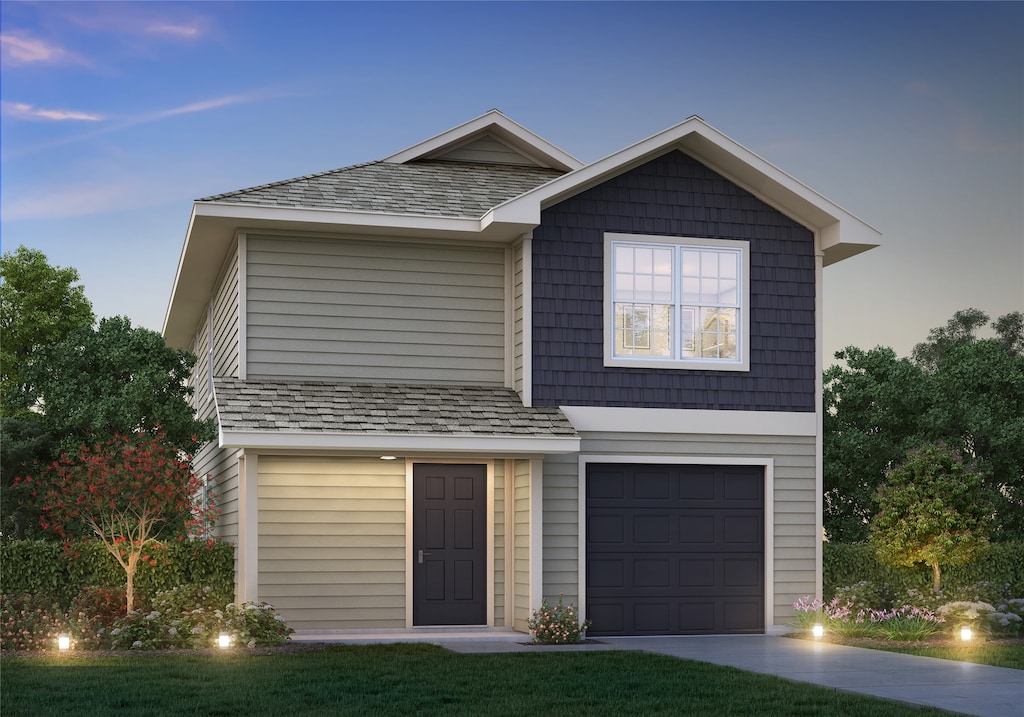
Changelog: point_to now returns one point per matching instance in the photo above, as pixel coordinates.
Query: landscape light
(224, 640)
(818, 630)
(966, 633)
(64, 642)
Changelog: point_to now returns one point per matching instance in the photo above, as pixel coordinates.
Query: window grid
(698, 288)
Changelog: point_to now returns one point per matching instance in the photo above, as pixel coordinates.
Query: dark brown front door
(449, 528)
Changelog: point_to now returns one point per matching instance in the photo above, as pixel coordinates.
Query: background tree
(116, 379)
(127, 491)
(873, 407)
(957, 388)
(934, 509)
(39, 305)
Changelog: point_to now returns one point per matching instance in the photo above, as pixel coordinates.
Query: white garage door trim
(769, 513)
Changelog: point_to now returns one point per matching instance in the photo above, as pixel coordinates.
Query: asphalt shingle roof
(295, 407)
(423, 188)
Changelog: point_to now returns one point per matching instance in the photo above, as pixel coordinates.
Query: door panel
(449, 544)
(675, 549)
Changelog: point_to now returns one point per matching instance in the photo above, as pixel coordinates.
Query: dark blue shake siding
(673, 195)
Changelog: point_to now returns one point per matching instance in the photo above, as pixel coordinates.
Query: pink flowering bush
(29, 622)
(846, 619)
(557, 624)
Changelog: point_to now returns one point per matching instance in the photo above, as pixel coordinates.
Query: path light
(64, 642)
(966, 633)
(224, 640)
(818, 630)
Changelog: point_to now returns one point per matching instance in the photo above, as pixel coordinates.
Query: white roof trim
(317, 215)
(735, 162)
(508, 131)
(687, 421)
(401, 443)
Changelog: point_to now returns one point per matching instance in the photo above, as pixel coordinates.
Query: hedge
(41, 567)
(848, 563)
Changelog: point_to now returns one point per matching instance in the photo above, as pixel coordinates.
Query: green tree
(116, 379)
(934, 508)
(873, 406)
(957, 388)
(39, 305)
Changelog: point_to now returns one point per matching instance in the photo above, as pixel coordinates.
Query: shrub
(557, 624)
(29, 622)
(91, 614)
(43, 568)
(908, 623)
(970, 614)
(1007, 620)
(189, 618)
(255, 624)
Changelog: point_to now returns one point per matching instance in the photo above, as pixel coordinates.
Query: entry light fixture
(388, 458)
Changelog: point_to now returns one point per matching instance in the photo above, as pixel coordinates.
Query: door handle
(421, 554)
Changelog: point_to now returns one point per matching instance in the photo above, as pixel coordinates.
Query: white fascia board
(610, 419)
(333, 217)
(177, 273)
(723, 155)
(511, 132)
(399, 443)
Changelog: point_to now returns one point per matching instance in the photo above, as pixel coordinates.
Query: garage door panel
(675, 549)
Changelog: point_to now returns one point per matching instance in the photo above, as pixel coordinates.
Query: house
(479, 373)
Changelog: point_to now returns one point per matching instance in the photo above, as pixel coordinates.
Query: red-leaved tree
(127, 491)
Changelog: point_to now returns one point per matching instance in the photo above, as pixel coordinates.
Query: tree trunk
(129, 571)
(937, 578)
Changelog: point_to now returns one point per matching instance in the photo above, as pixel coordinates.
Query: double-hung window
(673, 302)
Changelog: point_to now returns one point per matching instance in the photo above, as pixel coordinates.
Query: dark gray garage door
(675, 550)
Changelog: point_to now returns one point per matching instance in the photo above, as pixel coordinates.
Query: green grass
(413, 679)
(981, 653)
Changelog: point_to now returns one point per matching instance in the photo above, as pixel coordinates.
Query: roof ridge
(282, 182)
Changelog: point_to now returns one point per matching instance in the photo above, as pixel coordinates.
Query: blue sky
(115, 116)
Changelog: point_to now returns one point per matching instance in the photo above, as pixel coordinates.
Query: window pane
(728, 292)
(644, 261)
(708, 263)
(644, 286)
(624, 259)
(691, 263)
(709, 291)
(728, 265)
(663, 262)
(663, 289)
(691, 291)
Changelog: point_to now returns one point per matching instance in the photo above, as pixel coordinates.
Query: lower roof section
(300, 415)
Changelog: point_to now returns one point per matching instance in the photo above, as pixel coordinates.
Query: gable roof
(382, 417)
(485, 180)
(841, 234)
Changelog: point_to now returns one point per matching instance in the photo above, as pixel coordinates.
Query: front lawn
(411, 679)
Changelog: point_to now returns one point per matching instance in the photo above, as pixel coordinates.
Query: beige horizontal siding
(521, 547)
(375, 311)
(794, 514)
(330, 525)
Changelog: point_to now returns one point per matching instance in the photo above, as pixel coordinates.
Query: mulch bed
(934, 641)
(286, 648)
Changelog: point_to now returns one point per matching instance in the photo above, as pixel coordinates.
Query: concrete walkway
(955, 686)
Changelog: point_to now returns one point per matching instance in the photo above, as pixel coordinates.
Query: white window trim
(611, 360)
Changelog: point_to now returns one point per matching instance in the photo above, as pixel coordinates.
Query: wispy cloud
(17, 50)
(114, 123)
(185, 32)
(25, 111)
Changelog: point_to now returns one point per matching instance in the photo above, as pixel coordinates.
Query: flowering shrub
(91, 614)
(29, 622)
(255, 624)
(840, 618)
(557, 624)
(187, 617)
(1007, 620)
(907, 623)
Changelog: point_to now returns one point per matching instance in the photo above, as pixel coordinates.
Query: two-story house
(479, 373)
